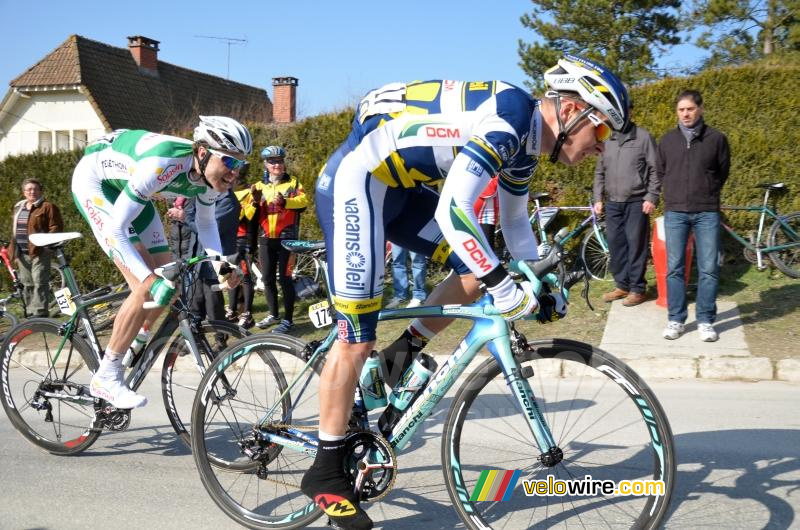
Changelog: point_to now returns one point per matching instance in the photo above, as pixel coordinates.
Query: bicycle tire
(305, 265)
(787, 261)
(180, 377)
(71, 428)
(219, 424)
(596, 258)
(7, 322)
(606, 420)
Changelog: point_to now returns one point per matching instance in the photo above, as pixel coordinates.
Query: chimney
(145, 53)
(284, 99)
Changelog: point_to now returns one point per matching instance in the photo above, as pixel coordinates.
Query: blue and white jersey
(408, 134)
(412, 133)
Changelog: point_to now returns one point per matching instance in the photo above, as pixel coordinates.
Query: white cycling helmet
(220, 132)
(592, 83)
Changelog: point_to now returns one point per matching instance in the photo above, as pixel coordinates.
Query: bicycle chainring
(370, 464)
(111, 418)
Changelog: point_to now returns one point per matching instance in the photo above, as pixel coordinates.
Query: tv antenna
(230, 41)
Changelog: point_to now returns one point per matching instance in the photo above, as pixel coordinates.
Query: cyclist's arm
(456, 217)
(517, 229)
(127, 207)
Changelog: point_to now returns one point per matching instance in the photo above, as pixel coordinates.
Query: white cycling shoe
(108, 383)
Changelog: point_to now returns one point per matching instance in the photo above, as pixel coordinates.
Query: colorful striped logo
(495, 485)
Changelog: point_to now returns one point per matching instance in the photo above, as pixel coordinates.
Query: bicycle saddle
(52, 239)
(299, 246)
(773, 186)
(539, 195)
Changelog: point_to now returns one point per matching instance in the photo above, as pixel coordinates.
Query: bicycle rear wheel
(237, 391)
(180, 375)
(787, 260)
(307, 266)
(49, 404)
(102, 315)
(603, 417)
(595, 255)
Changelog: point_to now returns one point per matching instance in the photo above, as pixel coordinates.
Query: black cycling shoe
(328, 487)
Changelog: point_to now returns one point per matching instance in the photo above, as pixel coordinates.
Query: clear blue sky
(338, 50)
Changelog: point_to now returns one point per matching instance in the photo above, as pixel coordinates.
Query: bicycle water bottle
(406, 391)
(371, 383)
(136, 346)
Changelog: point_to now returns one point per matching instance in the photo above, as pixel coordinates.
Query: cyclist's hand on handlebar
(552, 307)
(161, 291)
(233, 278)
(513, 300)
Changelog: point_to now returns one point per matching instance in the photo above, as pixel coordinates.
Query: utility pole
(230, 41)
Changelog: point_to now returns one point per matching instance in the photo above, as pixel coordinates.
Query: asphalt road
(738, 448)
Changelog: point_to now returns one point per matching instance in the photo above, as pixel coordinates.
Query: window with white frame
(79, 139)
(46, 141)
(62, 140)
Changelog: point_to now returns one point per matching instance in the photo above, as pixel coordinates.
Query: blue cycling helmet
(273, 151)
(593, 84)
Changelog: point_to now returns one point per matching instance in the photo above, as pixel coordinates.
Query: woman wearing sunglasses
(114, 186)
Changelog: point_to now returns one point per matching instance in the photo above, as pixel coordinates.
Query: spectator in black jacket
(625, 177)
(693, 164)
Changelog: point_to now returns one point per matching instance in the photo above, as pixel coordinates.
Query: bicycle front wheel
(603, 417)
(47, 398)
(786, 233)
(236, 395)
(595, 254)
(180, 375)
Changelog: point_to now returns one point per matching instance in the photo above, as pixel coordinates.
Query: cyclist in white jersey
(423, 132)
(113, 186)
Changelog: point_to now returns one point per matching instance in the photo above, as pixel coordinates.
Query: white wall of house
(47, 120)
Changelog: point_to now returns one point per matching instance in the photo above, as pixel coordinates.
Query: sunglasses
(274, 161)
(602, 131)
(230, 162)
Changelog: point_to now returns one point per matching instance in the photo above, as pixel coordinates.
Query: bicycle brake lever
(585, 291)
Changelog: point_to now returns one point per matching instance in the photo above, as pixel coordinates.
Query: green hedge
(756, 106)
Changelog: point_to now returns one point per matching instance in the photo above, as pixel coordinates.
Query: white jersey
(117, 179)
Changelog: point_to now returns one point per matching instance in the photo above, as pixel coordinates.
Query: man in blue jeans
(693, 164)
(400, 257)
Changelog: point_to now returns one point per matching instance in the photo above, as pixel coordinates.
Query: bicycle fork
(516, 377)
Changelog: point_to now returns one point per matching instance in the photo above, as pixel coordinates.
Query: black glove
(552, 307)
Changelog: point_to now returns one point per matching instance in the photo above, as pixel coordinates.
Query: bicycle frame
(489, 330)
(765, 211)
(146, 359)
(535, 219)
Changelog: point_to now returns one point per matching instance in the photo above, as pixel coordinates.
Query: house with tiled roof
(85, 88)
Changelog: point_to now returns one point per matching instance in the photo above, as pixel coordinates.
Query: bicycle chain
(309, 428)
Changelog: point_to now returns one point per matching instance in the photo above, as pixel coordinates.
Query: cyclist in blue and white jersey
(114, 185)
(419, 133)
